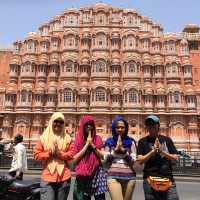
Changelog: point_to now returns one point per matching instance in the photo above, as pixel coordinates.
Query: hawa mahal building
(103, 61)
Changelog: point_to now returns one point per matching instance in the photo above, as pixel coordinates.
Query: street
(187, 190)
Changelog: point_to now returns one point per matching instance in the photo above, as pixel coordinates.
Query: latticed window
(68, 95)
(132, 67)
(176, 97)
(25, 96)
(131, 42)
(101, 40)
(69, 66)
(31, 47)
(100, 66)
(100, 95)
(187, 70)
(132, 96)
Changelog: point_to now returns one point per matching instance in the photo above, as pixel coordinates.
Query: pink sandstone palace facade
(103, 61)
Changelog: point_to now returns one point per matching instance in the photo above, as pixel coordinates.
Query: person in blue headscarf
(120, 154)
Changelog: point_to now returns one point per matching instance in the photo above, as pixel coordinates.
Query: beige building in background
(103, 61)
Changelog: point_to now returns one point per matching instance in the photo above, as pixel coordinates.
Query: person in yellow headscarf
(55, 149)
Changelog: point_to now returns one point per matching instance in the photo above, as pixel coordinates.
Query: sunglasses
(58, 122)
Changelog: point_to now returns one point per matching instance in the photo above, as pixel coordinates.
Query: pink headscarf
(89, 163)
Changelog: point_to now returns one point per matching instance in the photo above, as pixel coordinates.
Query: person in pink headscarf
(90, 176)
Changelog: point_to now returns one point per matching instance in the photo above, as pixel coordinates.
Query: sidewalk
(179, 177)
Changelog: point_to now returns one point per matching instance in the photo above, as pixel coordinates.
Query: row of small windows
(100, 19)
(129, 42)
(101, 95)
(102, 66)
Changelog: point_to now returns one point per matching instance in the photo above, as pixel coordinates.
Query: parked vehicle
(12, 189)
(186, 160)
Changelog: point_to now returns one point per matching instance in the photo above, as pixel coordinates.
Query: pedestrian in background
(120, 155)
(90, 176)
(55, 149)
(19, 160)
(157, 152)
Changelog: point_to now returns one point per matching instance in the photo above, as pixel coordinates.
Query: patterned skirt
(93, 185)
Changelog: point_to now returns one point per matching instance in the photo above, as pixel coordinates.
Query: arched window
(25, 96)
(101, 19)
(31, 47)
(176, 97)
(132, 96)
(132, 67)
(26, 67)
(100, 95)
(68, 66)
(184, 49)
(70, 41)
(131, 42)
(100, 66)
(172, 69)
(67, 95)
(101, 40)
(145, 44)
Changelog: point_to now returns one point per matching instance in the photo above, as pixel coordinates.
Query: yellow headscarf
(49, 138)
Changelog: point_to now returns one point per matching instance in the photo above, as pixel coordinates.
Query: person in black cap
(19, 160)
(157, 152)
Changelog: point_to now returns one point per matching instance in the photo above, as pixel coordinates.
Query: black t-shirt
(157, 165)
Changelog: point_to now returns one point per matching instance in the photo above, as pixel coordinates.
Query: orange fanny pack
(159, 183)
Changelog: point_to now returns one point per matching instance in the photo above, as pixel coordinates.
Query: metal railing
(185, 166)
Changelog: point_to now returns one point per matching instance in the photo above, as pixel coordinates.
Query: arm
(68, 154)
(98, 152)
(172, 157)
(144, 158)
(81, 153)
(172, 154)
(40, 153)
(142, 155)
(19, 159)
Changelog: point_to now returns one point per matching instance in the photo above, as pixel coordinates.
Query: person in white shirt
(19, 161)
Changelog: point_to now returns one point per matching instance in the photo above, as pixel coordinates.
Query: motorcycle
(13, 189)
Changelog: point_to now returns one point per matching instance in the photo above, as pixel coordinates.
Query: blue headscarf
(126, 140)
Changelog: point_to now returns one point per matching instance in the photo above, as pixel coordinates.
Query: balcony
(115, 75)
(66, 106)
(160, 107)
(147, 75)
(148, 107)
(42, 75)
(23, 106)
(131, 76)
(71, 48)
(27, 76)
(84, 75)
(99, 106)
(132, 107)
(83, 106)
(53, 76)
(158, 75)
(50, 106)
(191, 107)
(9, 106)
(100, 75)
(173, 78)
(176, 107)
(13, 76)
(68, 75)
(38, 106)
(116, 106)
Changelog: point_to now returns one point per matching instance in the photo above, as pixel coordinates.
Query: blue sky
(18, 17)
